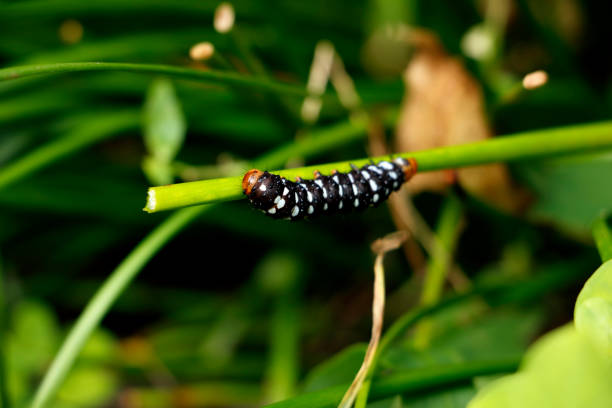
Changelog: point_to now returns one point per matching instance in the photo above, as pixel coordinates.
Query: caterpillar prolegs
(337, 193)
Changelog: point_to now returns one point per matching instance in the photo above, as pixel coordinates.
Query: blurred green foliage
(239, 310)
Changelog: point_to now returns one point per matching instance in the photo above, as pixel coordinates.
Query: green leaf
(593, 312)
(164, 121)
(338, 370)
(561, 370)
(570, 192)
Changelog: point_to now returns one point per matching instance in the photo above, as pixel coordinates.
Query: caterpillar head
(409, 167)
(249, 180)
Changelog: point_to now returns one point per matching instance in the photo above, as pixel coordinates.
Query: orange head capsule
(410, 169)
(249, 180)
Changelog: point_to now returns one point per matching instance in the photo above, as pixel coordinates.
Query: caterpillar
(337, 193)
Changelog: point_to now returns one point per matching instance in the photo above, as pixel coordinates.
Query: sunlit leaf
(560, 370)
(593, 312)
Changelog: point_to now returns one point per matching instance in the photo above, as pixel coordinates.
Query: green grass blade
(209, 76)
(104, 298)
(538, 144)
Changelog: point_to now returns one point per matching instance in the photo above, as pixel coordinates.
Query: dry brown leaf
(444, 106)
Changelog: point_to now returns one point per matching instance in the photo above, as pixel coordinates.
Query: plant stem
(522, 146)
(602, 233)
(104, 298)
(441, 259)
(221, 77)
(94, 130)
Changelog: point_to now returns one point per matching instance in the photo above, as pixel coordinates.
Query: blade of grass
(210, 76)
(105, 297)
(538, 144)
(94, 130)
(448, 229)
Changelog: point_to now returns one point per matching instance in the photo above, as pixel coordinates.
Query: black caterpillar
(339, 192)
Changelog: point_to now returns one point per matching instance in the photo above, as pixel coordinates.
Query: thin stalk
(537, 144)
(94, 130)
(602, 233)
(439, 264)
(283, 368)
(211, 76)
(100, 303)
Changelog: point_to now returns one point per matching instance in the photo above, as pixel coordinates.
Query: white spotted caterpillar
(339, 192)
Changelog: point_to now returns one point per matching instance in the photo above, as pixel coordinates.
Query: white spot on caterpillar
(319, 182)
(365, 174)
(309, 196)
(355, 191)
(295, 211)
(336, 179)
(340, 205)
(277, 199)
(386, 165)
(373, 185)
(262, 187)
(280, 204)
(285, 191)
(375, 198)
(324, 192)
(350, 176)
(395, 184)
(340, 190)
(325, 207)
(297, 198)
(310, 209)
(272, 210)
(386, 191)
(393, 175)
(401, 161)
(375, 169)
(356, 203)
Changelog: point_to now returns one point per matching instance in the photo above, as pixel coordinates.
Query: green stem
(602, 233)
(94, 130)
(104, 298)
(222, 77)
(537, 144)
(447, 233)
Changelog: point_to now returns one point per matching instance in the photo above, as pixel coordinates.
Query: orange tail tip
(249, 180)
